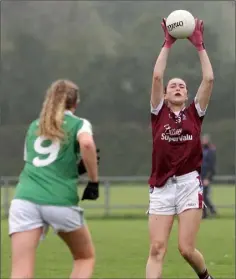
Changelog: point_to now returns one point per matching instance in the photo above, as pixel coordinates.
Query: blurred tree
(109, 48)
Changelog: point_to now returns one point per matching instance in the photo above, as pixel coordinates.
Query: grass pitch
(121, 241)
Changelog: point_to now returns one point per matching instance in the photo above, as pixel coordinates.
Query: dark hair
(165, 89)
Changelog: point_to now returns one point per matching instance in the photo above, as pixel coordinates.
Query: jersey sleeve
(86, 127)
(156, 110)
(200, 112)
(25, 151)
(196, 112)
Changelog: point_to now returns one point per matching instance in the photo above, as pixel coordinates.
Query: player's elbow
(87, 145)
(86, 141)
(209, 78)
(157, 76)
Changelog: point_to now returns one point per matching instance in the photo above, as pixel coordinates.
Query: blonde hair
(61, 95)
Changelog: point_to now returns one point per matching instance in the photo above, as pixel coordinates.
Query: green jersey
(50, 173)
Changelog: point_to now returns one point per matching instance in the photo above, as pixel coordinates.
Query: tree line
(109, 50)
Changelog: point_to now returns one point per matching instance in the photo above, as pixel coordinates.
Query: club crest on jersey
(178, 120)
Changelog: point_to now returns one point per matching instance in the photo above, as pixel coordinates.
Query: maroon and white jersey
(176, 142)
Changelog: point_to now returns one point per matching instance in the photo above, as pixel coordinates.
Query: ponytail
(60, 96)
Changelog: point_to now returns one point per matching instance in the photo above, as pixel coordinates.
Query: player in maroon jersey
(175, 185)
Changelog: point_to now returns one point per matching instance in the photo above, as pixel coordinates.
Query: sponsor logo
(191, 204)
(174, 25)
(175, 135)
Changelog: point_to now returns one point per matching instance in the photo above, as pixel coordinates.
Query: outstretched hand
(197, 37)
(169, 40)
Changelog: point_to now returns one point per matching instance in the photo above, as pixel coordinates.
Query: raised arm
(157, 92)
(205, 88)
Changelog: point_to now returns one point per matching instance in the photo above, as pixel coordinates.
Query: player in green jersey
(46, 194)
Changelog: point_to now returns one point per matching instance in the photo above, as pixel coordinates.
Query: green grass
(122, 244)
(130, 195)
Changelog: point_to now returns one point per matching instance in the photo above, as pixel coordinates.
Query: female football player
(46, 194)
(175, 185)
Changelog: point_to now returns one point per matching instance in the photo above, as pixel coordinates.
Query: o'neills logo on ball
(172, 26)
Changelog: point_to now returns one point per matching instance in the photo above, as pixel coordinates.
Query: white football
(180, 24)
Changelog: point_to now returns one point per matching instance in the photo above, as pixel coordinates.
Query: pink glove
(197, 37)
(169, 40)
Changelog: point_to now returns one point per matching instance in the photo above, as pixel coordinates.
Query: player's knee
(88, 254)
(158, 250)
(91, 255)
(22, 269)
(21, 274)
(186, 251)
(87, 262)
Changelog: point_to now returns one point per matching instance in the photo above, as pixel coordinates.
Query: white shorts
(25, 215)
(177, 195)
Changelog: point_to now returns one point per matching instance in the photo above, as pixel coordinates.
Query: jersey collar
(179, 112)
(68, 112)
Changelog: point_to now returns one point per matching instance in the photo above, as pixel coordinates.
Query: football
(180, 24)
